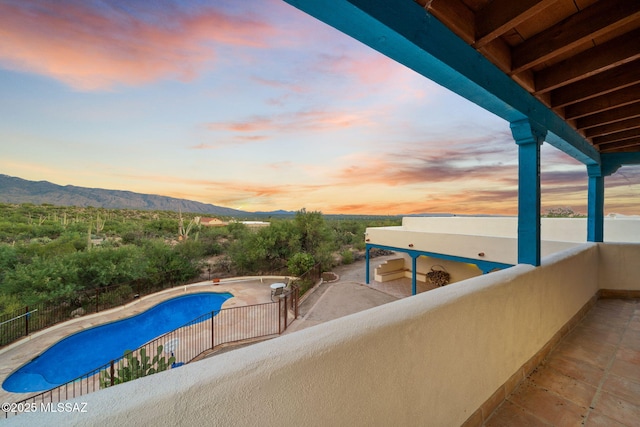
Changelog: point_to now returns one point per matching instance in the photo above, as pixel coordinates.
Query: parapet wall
(622, 229)
(433, 359)
(619, 266)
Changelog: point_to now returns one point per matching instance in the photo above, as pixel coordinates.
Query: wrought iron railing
(172, 350)
(32, 318)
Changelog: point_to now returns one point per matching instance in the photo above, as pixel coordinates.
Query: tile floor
(592, 378)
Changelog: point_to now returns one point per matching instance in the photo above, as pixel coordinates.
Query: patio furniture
(277, 289)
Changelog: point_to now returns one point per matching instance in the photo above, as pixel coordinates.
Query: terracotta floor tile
(601, 323)
(509, 415)
(612, 336)
(569, 388)
(586, 352)
(634, 323)
(610, 313)
(548, 406)
(625, 369)
(576, 369)
(597, 419)
(631, 339)
(628, 355)
(619, 409)
(586, 338)
(591, 378)
(625, 388)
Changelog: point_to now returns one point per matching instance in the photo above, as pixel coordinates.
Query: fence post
(296, 294)
(26, 320)
(279, 316)
(286, 311)
(212, 333)
(112, 369)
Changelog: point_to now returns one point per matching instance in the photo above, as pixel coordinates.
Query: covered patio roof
(581, 59)
(571, 67)
(562, 71)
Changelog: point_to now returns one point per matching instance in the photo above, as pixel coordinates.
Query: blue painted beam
(405, 32)
(485, 266)
(529, 136)
(611, 162)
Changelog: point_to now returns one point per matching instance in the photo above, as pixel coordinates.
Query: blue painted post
(595, 208)
(414, 257)
(366, 255)
(529, 136)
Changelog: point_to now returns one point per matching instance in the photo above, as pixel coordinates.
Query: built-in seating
(395, 269)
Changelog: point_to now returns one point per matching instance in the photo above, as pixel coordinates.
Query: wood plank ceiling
(581, 58)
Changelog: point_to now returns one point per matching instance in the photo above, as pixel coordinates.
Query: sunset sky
(252, 105)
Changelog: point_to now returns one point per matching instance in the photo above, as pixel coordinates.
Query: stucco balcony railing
(440, 358)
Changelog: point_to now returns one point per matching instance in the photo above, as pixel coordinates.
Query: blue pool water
(84, 351)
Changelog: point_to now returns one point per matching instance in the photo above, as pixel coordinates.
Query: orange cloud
(91, 48)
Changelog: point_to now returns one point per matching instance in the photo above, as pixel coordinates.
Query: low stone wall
(432, 359)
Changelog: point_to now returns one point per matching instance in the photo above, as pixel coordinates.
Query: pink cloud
(428, 167)
(92, 48)
(370, 69)
(308, 121)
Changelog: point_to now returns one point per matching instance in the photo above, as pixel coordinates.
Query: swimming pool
(86, 350)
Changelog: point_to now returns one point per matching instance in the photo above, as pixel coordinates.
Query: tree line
(51, 253)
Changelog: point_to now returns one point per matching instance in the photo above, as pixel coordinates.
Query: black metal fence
(172, 350)
(32, 318)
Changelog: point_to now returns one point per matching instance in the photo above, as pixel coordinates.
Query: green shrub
(300, 263)
(347, 257)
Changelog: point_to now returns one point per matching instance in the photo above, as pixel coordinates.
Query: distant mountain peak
(17, 190)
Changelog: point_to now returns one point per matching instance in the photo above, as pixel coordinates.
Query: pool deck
(246, 291)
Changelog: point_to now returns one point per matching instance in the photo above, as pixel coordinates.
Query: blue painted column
(414, 257)
(595, 207)
(366, 256)
(529, 137)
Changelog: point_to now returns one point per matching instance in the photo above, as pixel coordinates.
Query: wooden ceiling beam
(618, 51)
(600, 84)
(609, 116)
(499, 16)
(611, 100)
(455, 15)
(615, 137)
(594, 21)
(614, 127)
(622, 146)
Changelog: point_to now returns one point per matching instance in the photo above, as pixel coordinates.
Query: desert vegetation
(51, 253)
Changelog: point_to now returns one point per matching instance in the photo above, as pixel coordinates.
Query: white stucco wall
(494, 237)
(432, 359)
(616, 229)
(619, 266)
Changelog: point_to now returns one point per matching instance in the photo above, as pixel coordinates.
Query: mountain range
(17, 190)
